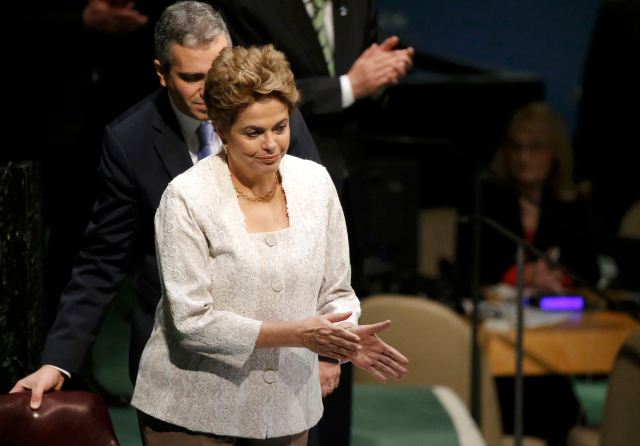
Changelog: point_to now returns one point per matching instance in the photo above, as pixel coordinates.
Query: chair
(620, 426)
(630, 224)
(437, 232)
(437, 342)
(66, 418)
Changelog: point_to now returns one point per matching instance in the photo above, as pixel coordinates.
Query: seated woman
(534, 197)
(538, 201)
(253, 257)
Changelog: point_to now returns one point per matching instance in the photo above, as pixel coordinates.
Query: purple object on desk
(561, 303)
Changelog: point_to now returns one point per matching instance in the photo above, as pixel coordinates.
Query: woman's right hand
(322, 335)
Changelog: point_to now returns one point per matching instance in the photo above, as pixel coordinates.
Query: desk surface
(587, 343)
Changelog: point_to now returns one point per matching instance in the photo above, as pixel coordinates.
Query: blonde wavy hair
(241, 76)
(560, 178)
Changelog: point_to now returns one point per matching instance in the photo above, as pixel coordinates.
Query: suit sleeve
(302, 144)
(336, 294)
(320, 95)
(183, 256)
(101, 264)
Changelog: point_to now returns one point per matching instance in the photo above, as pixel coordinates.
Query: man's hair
(187, 23)
(241, 76)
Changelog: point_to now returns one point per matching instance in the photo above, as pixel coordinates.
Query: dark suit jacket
(143, 151)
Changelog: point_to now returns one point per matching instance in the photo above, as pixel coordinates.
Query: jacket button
(271, 241)
(270, 376)
(277, 285)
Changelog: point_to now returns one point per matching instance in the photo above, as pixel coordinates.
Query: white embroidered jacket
(200, 368)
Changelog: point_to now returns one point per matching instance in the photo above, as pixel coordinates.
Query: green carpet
(111, 362)
(591, 393)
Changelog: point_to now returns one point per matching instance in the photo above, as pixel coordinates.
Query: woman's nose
(269, 141)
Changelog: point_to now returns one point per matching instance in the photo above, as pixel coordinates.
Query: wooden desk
(585, 344)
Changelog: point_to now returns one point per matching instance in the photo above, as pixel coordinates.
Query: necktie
(318, 25)
(205, 133)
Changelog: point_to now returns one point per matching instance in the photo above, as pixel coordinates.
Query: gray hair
(188, 23)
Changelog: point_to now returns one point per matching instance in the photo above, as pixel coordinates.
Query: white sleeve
(347, 91)
(336, 294)
(63, 371)
(188, 298)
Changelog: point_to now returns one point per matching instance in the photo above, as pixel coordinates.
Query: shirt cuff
(63, 371)
(346, 90)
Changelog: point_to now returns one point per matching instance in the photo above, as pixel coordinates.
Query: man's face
(186, 75)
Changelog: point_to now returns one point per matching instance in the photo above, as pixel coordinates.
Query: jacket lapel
(169, 144)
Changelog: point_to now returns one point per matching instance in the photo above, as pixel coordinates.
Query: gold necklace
(264, 197)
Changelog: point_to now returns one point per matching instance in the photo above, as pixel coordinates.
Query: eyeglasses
(534, 147)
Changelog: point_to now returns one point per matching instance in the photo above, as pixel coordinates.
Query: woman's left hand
(329, 377)
(376, 356)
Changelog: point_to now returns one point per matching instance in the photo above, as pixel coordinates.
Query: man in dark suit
(339, 69)
(144, 149)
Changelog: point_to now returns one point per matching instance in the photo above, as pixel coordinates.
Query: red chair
(67, 418)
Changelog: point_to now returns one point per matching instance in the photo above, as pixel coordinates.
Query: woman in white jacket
(253, 257)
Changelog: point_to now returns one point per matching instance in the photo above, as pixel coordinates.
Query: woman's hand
(376, 356)
(539, 275)
(329, 377)
(323, 336)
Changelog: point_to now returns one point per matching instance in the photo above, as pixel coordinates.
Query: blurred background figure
(530, 191)
(536, 199)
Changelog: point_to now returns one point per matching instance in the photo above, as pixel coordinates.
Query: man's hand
(329, 377)
(379, 66)
(112, 16)
(42, 380)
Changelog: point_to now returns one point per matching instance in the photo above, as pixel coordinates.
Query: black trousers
(334, 429)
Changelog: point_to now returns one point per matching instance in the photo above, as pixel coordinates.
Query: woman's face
(529, 155)
(258, 139)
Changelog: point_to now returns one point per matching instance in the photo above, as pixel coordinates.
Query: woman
(253, 257)
(538, 201)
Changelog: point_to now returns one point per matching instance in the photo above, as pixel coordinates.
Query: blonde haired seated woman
(254, 261)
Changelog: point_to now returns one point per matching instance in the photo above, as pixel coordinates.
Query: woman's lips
(269, 158)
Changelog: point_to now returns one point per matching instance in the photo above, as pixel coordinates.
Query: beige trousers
(156, 432)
